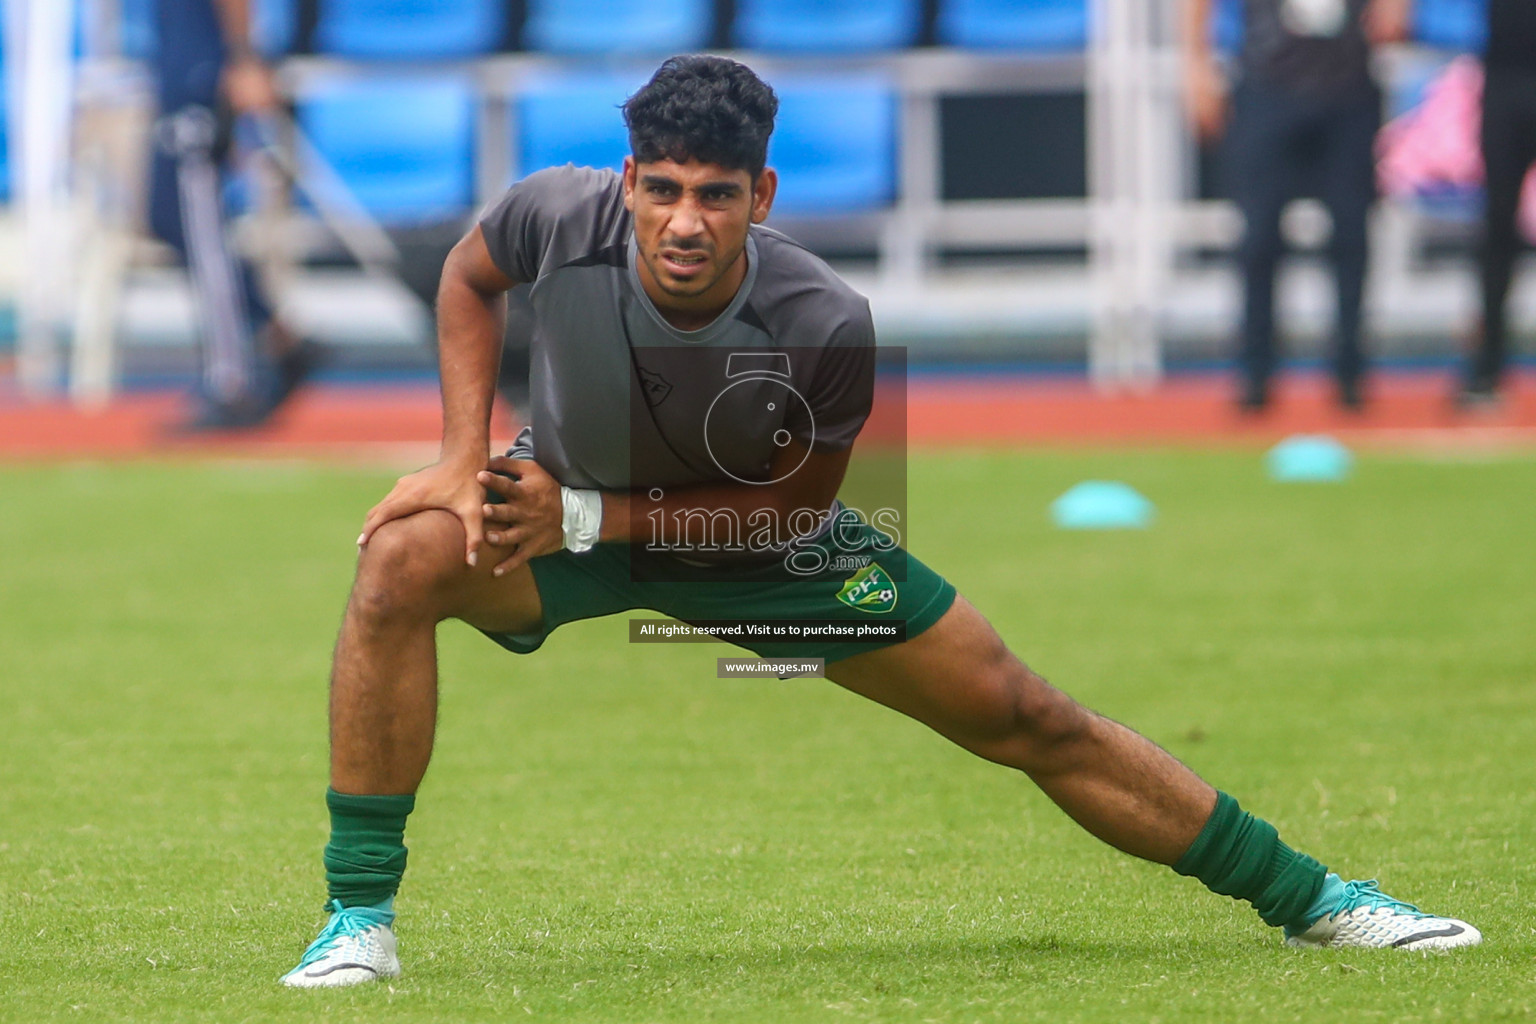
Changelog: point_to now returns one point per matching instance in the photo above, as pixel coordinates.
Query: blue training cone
(1309, 458)
(1101, 505)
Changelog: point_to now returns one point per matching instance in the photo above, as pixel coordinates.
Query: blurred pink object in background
(1432, 149)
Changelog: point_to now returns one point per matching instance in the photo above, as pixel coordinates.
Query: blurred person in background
(1509, 150)
(207, 73)
(1303, 107)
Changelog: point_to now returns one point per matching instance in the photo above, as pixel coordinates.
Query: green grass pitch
(609, 833)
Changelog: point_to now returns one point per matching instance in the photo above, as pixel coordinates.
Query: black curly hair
(710, 109)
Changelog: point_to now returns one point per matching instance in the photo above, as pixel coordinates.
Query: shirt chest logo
(869, 590)
(655, 386)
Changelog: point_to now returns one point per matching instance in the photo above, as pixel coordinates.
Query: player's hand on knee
(448, 486)
(528, 519)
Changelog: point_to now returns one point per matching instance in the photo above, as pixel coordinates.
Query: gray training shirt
(620, 399)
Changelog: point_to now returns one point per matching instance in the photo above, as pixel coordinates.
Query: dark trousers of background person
(187, 211)
(1281, 145)
(1509, 149)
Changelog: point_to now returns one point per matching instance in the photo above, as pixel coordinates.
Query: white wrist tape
(581, 517)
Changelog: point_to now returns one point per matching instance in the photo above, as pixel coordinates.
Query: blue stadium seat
(410, 29)
(404, 145)
(1451, 24)
(835, 145)
(1045, 25)
(5, 148)
(570, 117)
(5, 144)
(617, 26)
(1227, 25)
(826, 26)
(138, 28)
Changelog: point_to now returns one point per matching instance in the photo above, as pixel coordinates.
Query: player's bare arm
(470, 315)
(529, 515)
(1387, 21)
(247, 82)
(1205, 87)
(631, 516)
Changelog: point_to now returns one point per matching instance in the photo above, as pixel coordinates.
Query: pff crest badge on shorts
(869, 590)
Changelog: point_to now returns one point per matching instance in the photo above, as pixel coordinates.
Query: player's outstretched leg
(958, 678)
(383, 716)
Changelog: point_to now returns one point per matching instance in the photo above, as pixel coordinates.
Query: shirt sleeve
(842, 388)
(548, 217)
(515, 233)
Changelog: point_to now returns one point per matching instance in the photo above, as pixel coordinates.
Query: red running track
(1406, 411)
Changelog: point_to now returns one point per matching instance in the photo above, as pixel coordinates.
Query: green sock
(365, 858)
(1241, 856)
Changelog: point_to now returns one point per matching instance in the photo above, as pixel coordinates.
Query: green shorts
(888, 586)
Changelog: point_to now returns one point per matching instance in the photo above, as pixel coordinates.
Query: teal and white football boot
(357, 945)
(1362, 915)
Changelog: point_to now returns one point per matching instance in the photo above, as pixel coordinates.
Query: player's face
(691, 223)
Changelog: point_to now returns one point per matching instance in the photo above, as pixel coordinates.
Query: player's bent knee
(407, 566)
